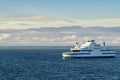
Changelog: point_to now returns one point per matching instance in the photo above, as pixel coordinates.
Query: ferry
(89, 50)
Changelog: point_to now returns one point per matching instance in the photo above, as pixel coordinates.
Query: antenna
(76, 43)
(104, 43)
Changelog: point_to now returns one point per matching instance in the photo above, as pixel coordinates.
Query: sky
(72, 9)
(36, 14)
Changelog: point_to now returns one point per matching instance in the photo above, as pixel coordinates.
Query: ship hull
(89, 55)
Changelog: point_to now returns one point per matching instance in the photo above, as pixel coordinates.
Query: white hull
(89, 56)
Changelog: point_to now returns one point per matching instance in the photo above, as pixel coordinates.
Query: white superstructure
(89, 49)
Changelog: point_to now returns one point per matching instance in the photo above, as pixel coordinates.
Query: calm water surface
(47, 64)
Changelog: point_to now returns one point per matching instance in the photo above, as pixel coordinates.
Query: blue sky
(65, 9)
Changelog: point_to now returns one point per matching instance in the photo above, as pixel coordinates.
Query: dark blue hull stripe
(94, 57)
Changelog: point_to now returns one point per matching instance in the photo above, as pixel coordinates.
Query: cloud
(26, 22)
(71, 37)
(4, 37)
(67, 32)
(43, 30)
(100, 22)
(30, 18)
(116, 41)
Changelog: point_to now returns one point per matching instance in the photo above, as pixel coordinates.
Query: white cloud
(86, 38)
(30, 18)
(28, 38)
(18, 38)
(100, 22)
(58, 36)
(116, 41)
(68, 38)
(35, 38)
(67, 32)
(4, 37)
(25, 22)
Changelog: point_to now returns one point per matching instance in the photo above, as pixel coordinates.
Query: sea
(47, 63)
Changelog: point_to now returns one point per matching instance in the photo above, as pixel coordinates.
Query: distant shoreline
(35, 47)
(46, 47)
